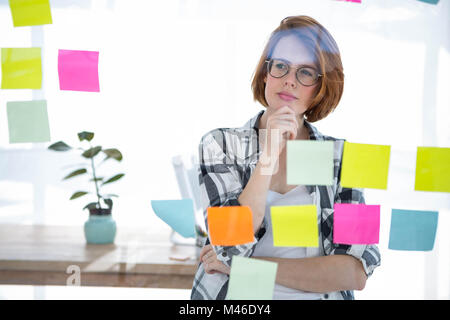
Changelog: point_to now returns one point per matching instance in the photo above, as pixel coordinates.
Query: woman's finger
(204, 250)
(207, 256)
(209, 269)
(210, 260)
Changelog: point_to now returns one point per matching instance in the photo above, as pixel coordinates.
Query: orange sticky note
(230, 226)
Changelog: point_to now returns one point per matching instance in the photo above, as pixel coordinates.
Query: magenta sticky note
(356, 223)
(78, 70)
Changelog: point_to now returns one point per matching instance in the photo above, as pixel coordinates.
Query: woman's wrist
(268, 162)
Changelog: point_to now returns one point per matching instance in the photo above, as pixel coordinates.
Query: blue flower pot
(100, 229)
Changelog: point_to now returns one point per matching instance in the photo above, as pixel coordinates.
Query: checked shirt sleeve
(369, 255)
(220, 184)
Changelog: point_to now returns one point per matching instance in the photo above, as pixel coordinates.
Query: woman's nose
(290, 79)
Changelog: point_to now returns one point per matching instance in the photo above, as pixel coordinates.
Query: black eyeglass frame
(296, 72)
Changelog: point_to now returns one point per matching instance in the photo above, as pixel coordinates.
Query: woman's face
(287, 91)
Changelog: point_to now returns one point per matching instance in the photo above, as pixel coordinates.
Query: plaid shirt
(228, 157)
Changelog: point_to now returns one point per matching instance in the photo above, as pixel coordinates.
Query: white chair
(188, 185)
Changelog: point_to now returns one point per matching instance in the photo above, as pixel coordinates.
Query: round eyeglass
(307, 76)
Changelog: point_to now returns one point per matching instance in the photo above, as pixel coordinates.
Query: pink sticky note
(78, 70)
(356, 223)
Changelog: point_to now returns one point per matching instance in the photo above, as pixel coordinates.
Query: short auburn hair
(327, 58)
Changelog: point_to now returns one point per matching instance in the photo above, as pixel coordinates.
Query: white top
(265, 248)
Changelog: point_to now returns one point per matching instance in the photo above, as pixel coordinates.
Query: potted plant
(100, 228)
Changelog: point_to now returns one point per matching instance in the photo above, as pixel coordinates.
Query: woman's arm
(320, 274)
(254, 194)
(316, 274)
(279, 124)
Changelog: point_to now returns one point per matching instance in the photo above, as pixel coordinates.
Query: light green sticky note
(365, 166)
(21, 68)
(433, 169)
(28, 121)
(295, 226)
(30, 12)
(251, 279)
(309, 162)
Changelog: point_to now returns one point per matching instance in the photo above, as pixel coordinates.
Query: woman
(299, 79)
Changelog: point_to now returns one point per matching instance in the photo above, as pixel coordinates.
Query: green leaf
(97, 179)
(115, 178)
(75, 173)
(92, 152)
(109, 203)
(59, 146)
(85, 135)
(92, 205)
(78, 194)
(113, 153)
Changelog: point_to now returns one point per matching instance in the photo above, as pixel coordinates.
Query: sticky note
(28, 121)
(178, 214)
(30, 12)
(295, 226)
(430, 1)
(356, 223)
(365, 166)
(432, 169)
(412, 230)
(251, 279)
(309, 162)
(230, 226)
(21, 68)
(78, 70)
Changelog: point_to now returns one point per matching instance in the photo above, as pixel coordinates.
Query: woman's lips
(286, 96)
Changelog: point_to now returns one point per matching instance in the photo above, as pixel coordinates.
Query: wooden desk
(40, 255)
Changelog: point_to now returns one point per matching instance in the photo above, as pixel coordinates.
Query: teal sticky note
(28, 121)
(412, 230)
(178, 214)
(251, 279)
(309, 162)
(430, 1)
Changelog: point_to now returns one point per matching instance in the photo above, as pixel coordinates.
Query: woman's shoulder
(317, 135)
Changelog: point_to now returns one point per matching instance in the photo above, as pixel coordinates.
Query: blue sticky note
(412, 230)
(430, 1)
(178, 214)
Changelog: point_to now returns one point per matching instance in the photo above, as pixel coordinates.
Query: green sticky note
(295, 226)
(365, 166)
(21, 68)
(28, 121)
(30, 12)
(251, 279)
(432, 169)
(309, 162)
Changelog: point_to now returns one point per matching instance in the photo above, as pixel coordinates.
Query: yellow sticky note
(433, 169)
(295, 226)
(30, 12)
(21, 68)
(365, 166)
